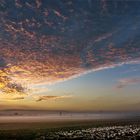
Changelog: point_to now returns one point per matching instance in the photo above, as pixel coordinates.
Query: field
(72, 129)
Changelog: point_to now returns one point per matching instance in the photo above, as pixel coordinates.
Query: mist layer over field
(52, 116)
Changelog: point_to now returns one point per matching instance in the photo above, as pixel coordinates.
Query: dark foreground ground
(84, 129)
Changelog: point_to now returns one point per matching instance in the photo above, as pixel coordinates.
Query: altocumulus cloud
(46, 42)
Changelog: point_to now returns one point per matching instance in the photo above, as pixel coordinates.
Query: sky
(79, 55)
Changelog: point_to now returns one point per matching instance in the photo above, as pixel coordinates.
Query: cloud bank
(48, 41)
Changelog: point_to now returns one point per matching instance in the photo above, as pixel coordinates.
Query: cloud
(10, 97)
(42, 43)
(41, 98)
(17, 98)
(128, 81)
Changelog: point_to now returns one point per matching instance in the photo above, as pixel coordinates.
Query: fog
(43, 116)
